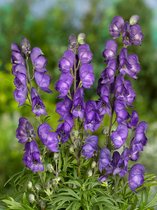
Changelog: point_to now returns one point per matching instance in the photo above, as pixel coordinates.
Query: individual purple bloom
(90, 146)
(20, 81)
(102, 178)
(124, 90)
(120, 110)
(67, 61)
(63, 107)
(68, 123)
(18, 68)
(110, 50)
(38, 108)
(78, 103)
(86, 75)
(129, 64)
(24, 131)
(136, 176)
(104, 93)
(105, 161)
(116, 26)
(120, 162)
(20, 96)
(42, 80)
(119, 136)
(48, 138)
(16, 55)
(64, 84)
(32, 158)
(38, 60)
(139, 140)
(84, 53)
(109, 73)
(63, 135)
(133, 119)
(92, 116)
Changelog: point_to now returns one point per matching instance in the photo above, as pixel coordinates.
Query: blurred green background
(48, 24)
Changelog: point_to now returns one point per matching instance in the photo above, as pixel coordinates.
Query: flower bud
(25, 45)
(56, 156)
(37, 187)
(72, 41)
(134, 19)
(71, 149)
(93, 164)
(90, 173)
(29, 185)
(81, 38)
(31, 198)
(42, 204)
(50, 168)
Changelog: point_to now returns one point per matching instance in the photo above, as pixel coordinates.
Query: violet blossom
(90, 146)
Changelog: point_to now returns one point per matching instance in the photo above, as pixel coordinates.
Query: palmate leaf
(75, 205)
(151, 203)
(12, 204)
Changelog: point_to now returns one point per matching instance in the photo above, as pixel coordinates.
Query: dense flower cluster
(79, 118)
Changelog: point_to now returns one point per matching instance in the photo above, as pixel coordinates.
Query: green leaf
(12, 204)
(152, 203)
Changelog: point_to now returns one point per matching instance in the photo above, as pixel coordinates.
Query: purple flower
(67, 61)
(38, 108)
(86, 75)
(38, 60)
(90, 146)
(124, 91)
(120, 162)
(139, 141)
(20, 96)
(84, 53)
(105, 161)
(24, 131)
(133, 119)
(129, 64)
(119, 136)
(48, 138)
(63, 135)
(78, 103)
(64, 84)
(63, 107)
(92, 116)
(132, 34)
(116, 26)
(31, 157)
(43, 81)
(18, 68)
(136, 176)
(120, 110)
(110, 50)
(16, 55)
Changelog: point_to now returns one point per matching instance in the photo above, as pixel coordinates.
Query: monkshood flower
(119, 136)
(120, 109)
(63, 135)
(86, 75)
(92, 116)
(133, 119)
(124, 90)
(84, 53)
(19, 71)
(116, 26)
(139, 141)
(120, 162)
(25, 131)
(32, 158)
(136, 176)
(78, 103)
(63, 107)
(48, 138)
(110, 50)
(38, 108)
(39, 62)
(90, 146)
(64, 83)
(67, 61)
(129, 64)
(132, 34)
(105, 161)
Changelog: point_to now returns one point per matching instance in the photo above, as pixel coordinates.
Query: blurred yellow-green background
(48, 24)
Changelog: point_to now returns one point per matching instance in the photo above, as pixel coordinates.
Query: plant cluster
(71, 168)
